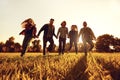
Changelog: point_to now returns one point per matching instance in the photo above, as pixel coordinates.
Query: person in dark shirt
(49, 32)
(62, 33)
(73, 35)
(87, 37)
(29, 32)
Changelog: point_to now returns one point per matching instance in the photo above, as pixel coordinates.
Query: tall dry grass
(34, 66)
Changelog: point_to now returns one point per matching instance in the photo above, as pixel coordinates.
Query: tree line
(104, 43)
(11, 46)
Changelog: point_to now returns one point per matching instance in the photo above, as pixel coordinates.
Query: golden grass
(35, 66)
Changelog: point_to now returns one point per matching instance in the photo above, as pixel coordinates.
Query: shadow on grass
(78, 71)
(114, 70)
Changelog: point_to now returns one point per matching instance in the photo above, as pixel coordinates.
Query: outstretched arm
(93, 35)
(22, 32)
(80, 33)
(54, 33)
(43, 28)
(58, 32)
(67, 32)
(34, 31)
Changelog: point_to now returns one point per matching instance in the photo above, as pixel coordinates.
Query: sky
(102, 16)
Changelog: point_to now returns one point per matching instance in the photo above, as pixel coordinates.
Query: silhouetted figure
(49, 32)
(73, 35)
(87, 37)
(29, 32)
(62, 33)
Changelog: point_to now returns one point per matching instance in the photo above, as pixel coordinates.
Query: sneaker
(85, 54)
(62, 52)
(21, 55)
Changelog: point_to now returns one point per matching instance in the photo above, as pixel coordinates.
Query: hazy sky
(103, 16)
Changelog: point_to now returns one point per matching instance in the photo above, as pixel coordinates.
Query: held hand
(37, 36)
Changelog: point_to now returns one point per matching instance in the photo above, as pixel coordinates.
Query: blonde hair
(74, 27)
(28, 21)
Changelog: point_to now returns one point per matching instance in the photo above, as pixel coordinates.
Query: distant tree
(10, 44)
(117, 45)
(1, 46)
(105, 43)
(54, 48)
(17, 47)
(30, 49)
(36, 47)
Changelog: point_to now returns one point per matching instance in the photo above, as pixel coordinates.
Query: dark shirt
(49, 31)
(29, 31)
(73, 35)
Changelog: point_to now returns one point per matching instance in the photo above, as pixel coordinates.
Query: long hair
(74, 27)
(28, 22)
(63, 23)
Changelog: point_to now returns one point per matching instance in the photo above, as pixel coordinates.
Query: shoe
(85, 54)
(21, 55)
(44, 54)
(62, 52)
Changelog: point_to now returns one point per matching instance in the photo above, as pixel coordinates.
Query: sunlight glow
(102, 16)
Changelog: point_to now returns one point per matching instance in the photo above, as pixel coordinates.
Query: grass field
(34, 66)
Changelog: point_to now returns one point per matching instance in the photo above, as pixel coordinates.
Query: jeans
(25, 44)
(45, 39)
(75, 44)
(89, 41)
(62, 42)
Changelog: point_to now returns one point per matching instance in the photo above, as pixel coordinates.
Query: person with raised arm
(29, 32)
